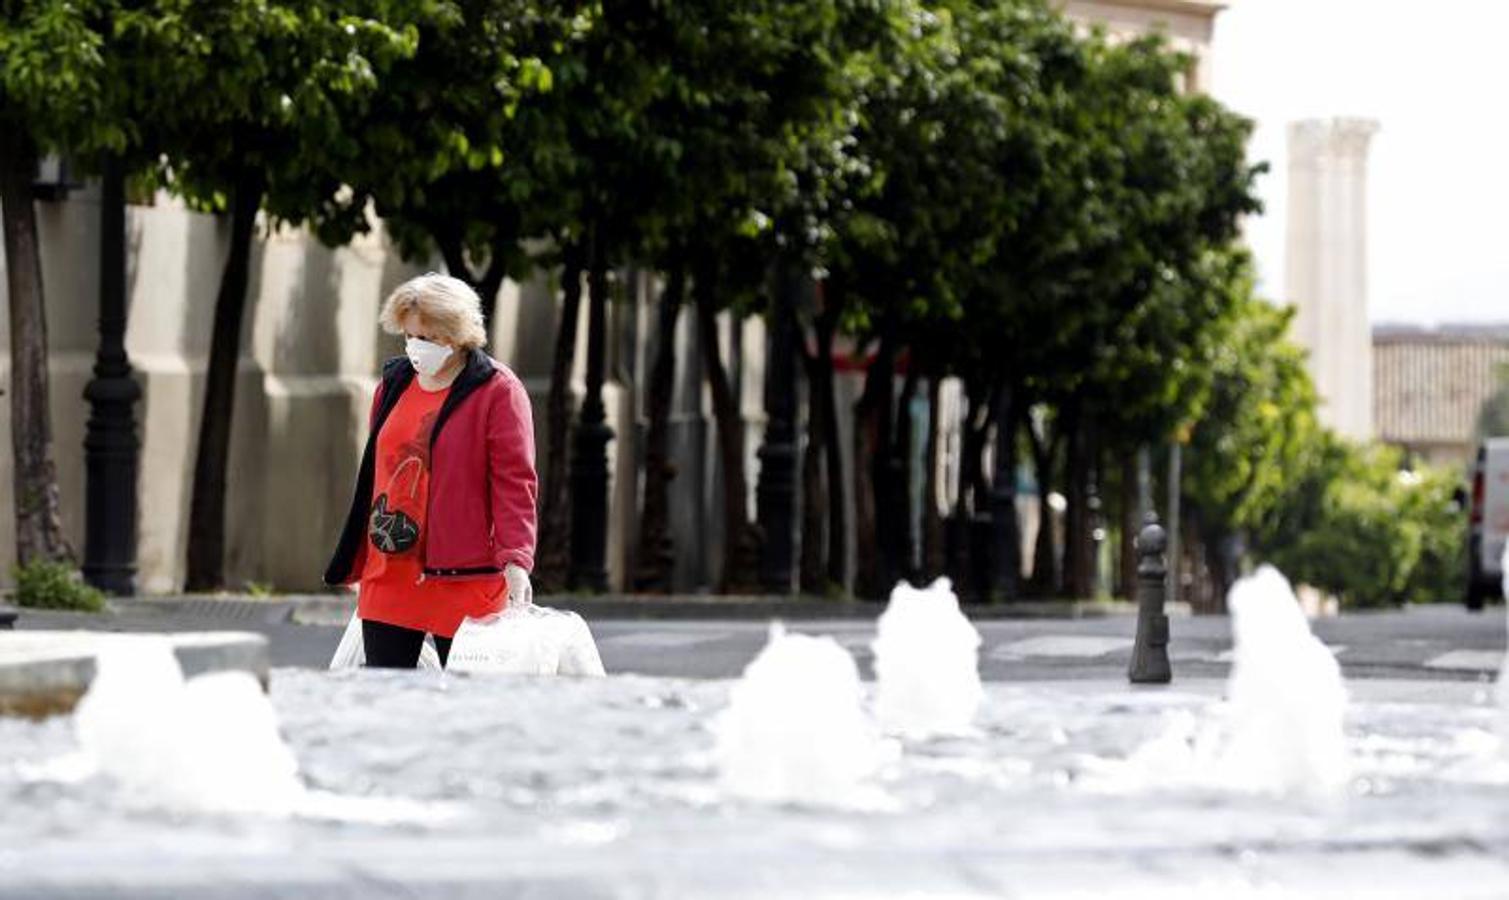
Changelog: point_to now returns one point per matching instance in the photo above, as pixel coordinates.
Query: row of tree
(981, 191)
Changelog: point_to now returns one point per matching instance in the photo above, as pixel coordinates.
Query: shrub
(1355, 523)
(44, 584)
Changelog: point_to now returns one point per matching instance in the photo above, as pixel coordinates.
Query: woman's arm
(513, 484)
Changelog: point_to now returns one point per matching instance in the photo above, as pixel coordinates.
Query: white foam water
(1286, 699)
(209, 744)
(795, 729)
(927, 663)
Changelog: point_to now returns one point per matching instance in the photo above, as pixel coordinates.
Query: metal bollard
(1150, 654)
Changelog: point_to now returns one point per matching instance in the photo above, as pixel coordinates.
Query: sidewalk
(716, 638)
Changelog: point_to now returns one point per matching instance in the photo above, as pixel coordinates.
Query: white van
(1489, 522)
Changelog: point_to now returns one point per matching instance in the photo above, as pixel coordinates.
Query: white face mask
(428, 357)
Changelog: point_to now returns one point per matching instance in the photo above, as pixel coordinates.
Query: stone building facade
(1430, 386)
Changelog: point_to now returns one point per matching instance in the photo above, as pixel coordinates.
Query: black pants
(395, 647)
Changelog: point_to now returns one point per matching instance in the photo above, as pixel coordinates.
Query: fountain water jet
(795, 729)
(208, 744)
(1287, 701)
(926, 663)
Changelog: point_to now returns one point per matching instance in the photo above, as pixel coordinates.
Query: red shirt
(392, 589)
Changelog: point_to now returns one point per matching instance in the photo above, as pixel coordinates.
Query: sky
(1435, 76)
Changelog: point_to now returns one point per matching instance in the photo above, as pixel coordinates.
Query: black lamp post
(111, 446)
(589, 457)
(776, 492)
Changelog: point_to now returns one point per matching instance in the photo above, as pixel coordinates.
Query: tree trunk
(487, 288)
(1007, 533)
(824, 521)
(741, 551)
(903, 542)
(656, 556)
(589, 447)
(867, 579)
(555, 508)
(1131, 523)
(833, 462)
(206, 552)
(932, 518)
(488, 283)
(1045, 579)
(1077, 525)
(811, 575)
(39, 524)
(872, 436)
(971, 572)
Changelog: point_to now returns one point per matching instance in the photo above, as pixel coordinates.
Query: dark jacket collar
(478, 369)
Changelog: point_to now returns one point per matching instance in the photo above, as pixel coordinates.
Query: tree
(465, 154)
(249, 105)
(950, 137)
(1257, 432)
(1150, 186)
(53, 76)
(462, 152)
(754, 108)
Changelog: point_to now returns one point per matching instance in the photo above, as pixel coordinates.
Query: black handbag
(393, 526)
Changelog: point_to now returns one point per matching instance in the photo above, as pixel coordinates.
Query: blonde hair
(447, 305)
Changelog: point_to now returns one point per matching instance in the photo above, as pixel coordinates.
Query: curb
(335, 609)
(45, 673)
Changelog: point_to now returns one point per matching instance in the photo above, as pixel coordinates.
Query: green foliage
(214, 92)
(55, 585)
(53, 71)
(1430, 499)
(1348, 519)
(1341, 527)
(1258, 426)
(1000, 195)
(466, 149)
(1358, 524)
(260, 590)
(1156, 184)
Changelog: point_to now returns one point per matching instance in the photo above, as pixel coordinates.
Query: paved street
(1436, 642)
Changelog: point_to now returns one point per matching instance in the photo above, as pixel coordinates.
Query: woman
(442, 526)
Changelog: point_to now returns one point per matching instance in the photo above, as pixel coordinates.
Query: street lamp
(111, 446)
(55, 178)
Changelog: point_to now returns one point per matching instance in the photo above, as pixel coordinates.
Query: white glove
(520, 592)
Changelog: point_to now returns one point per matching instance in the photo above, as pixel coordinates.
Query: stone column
(1326, 272)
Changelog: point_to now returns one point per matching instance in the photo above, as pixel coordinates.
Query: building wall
(1188, 24)
(311, 351)
(1431, 385)
(309, 355)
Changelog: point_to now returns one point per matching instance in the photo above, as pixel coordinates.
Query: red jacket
(481, 506)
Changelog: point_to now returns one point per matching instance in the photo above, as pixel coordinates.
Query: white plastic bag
(526, 640)
(350, 653)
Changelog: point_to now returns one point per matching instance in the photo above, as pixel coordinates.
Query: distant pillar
(1326, 269)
